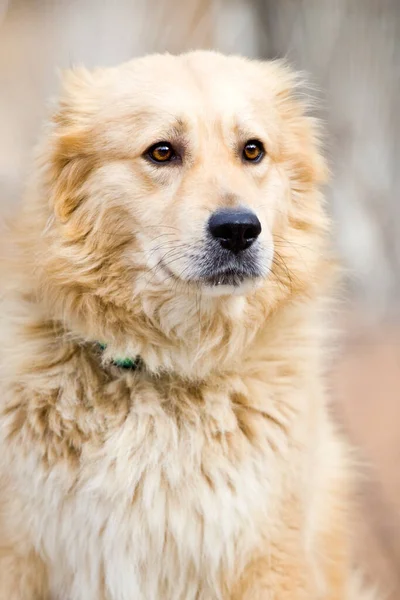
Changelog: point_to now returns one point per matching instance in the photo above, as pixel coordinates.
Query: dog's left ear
(72, 122)
(301, 143)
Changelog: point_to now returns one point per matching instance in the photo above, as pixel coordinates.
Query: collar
(132, 364)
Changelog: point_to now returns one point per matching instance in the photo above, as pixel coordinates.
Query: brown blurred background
(351, 51)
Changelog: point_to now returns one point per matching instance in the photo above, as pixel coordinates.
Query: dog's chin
(239, 288)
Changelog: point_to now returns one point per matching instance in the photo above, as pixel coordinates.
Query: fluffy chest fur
(141, 489)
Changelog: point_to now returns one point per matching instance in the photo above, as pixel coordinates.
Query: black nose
(235, 229)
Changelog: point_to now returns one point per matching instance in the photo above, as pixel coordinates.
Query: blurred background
(351, 51)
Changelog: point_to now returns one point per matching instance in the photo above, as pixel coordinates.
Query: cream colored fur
(214, 472)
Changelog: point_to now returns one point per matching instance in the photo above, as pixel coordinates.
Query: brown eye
(161, 153)
(253, 151)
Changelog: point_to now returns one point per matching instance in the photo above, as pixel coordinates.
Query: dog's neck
(187, 336)
(193, 345)
(228, 338)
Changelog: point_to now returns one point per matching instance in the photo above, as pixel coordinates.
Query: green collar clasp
(124, 363)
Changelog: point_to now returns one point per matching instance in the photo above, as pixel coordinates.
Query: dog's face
(205, 218)
(196, 174)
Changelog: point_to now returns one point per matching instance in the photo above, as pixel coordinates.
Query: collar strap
(132, 364)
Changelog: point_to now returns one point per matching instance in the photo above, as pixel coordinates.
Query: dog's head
(182, 194)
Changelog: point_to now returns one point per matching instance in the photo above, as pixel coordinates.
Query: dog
(164, 425)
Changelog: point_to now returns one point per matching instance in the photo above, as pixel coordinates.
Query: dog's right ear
(72, 123)
(74, 114)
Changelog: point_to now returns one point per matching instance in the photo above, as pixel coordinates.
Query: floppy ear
(71, 155)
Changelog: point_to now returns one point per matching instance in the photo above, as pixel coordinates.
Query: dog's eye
(161, 153)
(253, 151)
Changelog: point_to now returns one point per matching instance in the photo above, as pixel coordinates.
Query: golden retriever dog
(164, 430)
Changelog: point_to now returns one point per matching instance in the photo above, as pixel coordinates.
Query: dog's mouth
(225, 269)
(219, 273)
(233, 277)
